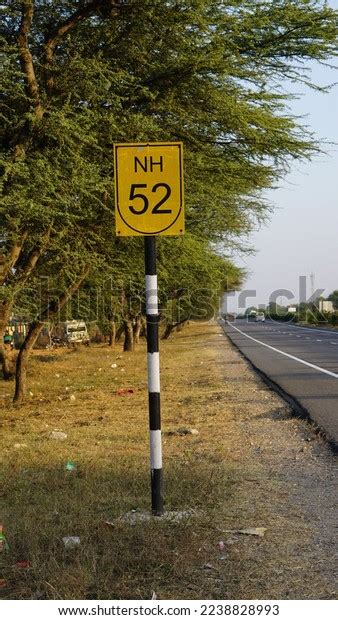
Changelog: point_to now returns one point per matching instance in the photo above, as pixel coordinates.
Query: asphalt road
(303, 362)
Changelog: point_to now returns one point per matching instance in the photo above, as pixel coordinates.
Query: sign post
(149, 203)
(153, 359)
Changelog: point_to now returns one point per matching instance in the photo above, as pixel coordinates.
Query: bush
(334, 319)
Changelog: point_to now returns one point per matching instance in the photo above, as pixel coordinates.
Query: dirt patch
(251, 465)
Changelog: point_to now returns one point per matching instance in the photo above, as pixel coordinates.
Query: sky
(302, 235)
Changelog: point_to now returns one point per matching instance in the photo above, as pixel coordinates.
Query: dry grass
(107, 437)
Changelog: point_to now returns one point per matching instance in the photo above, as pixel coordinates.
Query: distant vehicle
(260, 317)
(8, 339)
(70, 332)
(250, 315)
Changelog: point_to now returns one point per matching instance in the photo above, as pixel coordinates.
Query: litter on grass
(23, 564)
(208, 567)
(251, 531)
(58, 435)
(70, 466)
(134, 516)
(3, 542)
(71, 541)
(125, 392)
(183, 431)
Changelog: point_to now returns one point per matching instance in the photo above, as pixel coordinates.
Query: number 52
(134, 194)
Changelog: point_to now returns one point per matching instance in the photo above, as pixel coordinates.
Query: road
(303, 362)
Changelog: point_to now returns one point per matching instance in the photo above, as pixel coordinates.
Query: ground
(251, 465)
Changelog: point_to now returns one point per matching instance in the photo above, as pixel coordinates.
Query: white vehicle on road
(260, 317)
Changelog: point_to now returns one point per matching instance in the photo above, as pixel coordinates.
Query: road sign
(149, 189)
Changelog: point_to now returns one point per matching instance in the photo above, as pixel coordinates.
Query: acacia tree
(81, 75)
(50, 181)
(67, 263)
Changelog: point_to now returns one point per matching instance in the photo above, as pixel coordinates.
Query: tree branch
(54, 36)
(56, 304)
(7, 263)
(30, 262)
(26, 59)
(284, 35)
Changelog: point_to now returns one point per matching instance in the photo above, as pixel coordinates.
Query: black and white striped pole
(153, 356)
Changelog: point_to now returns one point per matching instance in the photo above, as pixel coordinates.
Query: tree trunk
(112, 332)
(119, 332)
(128, 344)
(22, 361)
(143, 332)
(168, 330)
(49, 313)
(180, 326)
(5, 311)
(137, 329)
(7, 372)
(171, 326)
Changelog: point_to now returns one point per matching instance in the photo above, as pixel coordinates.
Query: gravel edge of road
(297, 408)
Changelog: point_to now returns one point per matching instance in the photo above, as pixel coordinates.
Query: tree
(49, 313)
(192, 277)
(80, 76)
(334, 298)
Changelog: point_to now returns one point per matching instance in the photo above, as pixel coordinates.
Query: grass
(107, 437)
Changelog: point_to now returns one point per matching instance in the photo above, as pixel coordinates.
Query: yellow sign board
(149, 189)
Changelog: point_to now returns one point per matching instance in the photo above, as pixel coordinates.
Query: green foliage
(80, 76)
(334, 319)
(334, 298)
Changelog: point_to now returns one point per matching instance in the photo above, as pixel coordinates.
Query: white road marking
(328, 332)
(319, 340)
(333, 342)
(297, 359)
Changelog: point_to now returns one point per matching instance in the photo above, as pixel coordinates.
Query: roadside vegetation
(81, 76)
(305, 312)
